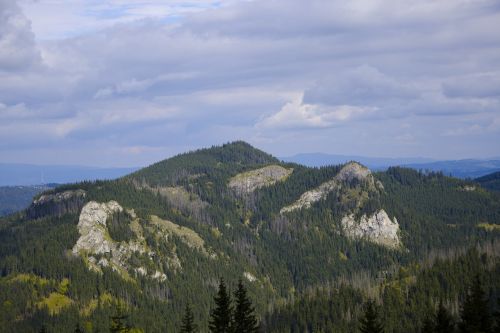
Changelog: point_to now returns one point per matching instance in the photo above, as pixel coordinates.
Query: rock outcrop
(57, 204)
(377, 228)
(351, 173)
(188, 236)
(247, 182)
(100, 250)
(94, 237)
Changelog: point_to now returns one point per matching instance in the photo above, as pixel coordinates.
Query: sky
(130, 82)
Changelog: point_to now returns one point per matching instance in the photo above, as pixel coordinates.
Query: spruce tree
(370, 322)
(444, 321)
(78, 329)
(475, 317)
(188, 325)
(244, 312)
(496, 329)
(221, 316)
(118, 322)
(428, 326)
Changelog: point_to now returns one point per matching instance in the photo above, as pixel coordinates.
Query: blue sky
(129, 82)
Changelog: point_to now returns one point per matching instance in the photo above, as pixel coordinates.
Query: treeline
(237, 315)
(459, 292)
(234, 314)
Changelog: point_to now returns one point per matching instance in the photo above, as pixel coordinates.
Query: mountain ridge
(244, 235)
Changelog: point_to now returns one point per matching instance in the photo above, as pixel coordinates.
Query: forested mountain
(491, 181)
(154, 241)
(15, 198)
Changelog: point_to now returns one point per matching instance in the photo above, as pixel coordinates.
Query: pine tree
(496, 329)
(78, 329)
(428, 326)
(244, 313)
(118, 322)
(370, 322)
(221, 316)
(475, 315)
(188, 325)
(444, 321)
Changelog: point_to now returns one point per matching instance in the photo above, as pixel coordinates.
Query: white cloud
(17, 45)
(297, 115)
(112, 73)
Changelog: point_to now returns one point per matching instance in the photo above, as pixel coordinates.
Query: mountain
(374, 163)
(161, 237)
(491, 181)
(467, 168)
(16, 198)
(28, 174)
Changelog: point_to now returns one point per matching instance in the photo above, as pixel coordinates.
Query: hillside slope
(163, 236)
(491, 181)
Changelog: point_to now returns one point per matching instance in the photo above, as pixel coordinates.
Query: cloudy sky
(129, 82)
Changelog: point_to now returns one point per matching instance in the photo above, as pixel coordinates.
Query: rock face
(57, 204)
(100, 250)
(247, 182)
(94, 236)
(378, 228)
(350, 173)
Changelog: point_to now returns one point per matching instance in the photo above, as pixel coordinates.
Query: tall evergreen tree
(496, 329)
(244, 313)
(188, 325)
(118, 322)
(78, 329)
(370, 323)
(428, 326)
(475, 317)
(221, 316)
(444, 321)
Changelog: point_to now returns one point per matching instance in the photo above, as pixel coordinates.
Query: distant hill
(29, 174)
(374, 163)
(467, 168)
(16, 198)
(491, 181)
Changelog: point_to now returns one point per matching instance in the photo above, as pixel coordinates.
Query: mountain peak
(233, 156)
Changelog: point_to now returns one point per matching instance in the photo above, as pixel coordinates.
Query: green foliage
(441, 322)
(291, 255)
(444, 321)
(491, 181)
(16, 198)
(475, 316)
(188, 325)
(221, 317)
(244, 316)
(370, 322)
(407, 299)
(119, 227)
(119, 321)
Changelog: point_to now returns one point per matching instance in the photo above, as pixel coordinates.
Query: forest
(300, 271)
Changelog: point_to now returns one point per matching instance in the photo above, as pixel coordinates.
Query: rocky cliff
(247, 182)
(100, 250)
(351, 174)
(56, 204)
(377, 228)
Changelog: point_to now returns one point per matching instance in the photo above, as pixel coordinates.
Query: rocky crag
(247, 182)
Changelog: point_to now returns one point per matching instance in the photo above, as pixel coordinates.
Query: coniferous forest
(177, 247)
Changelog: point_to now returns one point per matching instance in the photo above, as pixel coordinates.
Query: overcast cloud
(129, 82)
